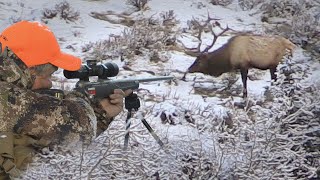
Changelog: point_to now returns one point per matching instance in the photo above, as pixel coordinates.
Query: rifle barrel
(159, 78)
(149, 79)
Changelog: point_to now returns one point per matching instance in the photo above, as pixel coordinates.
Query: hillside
(209, 131)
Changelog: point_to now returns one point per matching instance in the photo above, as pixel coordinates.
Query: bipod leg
(126, 137)
(146, 124)
(132, 104)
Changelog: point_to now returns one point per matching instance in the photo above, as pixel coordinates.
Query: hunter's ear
(32, 71)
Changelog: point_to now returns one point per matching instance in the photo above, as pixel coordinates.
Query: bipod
(132, 104)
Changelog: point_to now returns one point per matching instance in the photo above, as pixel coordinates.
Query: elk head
(201, 64)
(213, 64)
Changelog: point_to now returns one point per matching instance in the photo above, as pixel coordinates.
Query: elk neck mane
(219, 60)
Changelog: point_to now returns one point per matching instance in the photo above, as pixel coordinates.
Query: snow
(159, 97)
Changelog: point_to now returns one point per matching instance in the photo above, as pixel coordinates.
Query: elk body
(243, 52)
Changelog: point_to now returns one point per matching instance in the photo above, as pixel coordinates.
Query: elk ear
(198, 59)
(198, 54)
(203, 57)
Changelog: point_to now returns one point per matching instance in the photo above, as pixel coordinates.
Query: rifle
(105, 86)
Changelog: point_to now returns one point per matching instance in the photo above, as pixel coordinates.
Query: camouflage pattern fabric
(30, 120)
(14, 70)
(47, 119)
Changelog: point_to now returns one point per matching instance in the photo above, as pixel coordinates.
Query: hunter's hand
(114, 104)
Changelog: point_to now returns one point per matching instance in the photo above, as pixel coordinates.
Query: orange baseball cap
(35, 44)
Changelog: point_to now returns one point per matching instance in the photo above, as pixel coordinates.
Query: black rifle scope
(103, 71)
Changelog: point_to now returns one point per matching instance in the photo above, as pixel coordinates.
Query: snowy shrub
(155, 56)
(49, 13)
(300, 20)
(14, 19)
(306, 27)
(64, 10)
(194, 25)
(168, 117)
(221, 2)
(76, 33)
(139, 4)
(298, 124)
(277, 139)
(284, 8)
(168, 18)
(19, 12)
(249, 4)
(198, 5)
(197, 25)
(145, 36)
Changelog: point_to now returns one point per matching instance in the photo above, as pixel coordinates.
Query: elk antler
(201, 27)
(215, 36)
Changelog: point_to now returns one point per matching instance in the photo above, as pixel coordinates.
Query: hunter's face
(43, 79)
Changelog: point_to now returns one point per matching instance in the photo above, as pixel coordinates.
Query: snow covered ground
(194, 138)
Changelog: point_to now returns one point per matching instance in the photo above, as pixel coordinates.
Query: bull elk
(243, 52)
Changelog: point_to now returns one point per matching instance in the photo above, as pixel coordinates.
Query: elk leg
(244, 75)
(273, 74)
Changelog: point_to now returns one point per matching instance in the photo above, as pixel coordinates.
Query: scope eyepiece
(103, 71)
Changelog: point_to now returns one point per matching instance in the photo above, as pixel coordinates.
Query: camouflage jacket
(44, 117)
